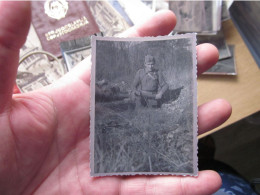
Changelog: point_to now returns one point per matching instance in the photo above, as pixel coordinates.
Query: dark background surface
(237, 146)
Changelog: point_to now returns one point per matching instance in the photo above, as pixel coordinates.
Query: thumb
(15, 20)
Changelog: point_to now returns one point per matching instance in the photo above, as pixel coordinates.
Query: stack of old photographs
(40, 61)
(110, 23)
(226, 64)
(52, 50)
(204, 18)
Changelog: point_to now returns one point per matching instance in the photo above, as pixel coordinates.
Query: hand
(137, 92)
(44, 146)
(158, 96)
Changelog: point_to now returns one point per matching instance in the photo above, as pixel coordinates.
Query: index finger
(161, 23)
(14, 25)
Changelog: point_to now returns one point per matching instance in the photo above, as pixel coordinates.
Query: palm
(51, 146)
(45, 134)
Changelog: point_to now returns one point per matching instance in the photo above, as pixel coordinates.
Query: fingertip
(162, 23)
(213, 179)
(224, 109)
(207, 56)
(212, 114)
(207, 182)
(225, 105)
(159, 24)
(14, 26)
(15, 20)
(169, 19)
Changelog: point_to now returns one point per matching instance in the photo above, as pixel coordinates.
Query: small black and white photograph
(197, 16)
(144, 106)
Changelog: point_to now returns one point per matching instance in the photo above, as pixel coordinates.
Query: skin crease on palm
(44, 146)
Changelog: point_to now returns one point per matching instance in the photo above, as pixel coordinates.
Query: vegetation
(145, 139)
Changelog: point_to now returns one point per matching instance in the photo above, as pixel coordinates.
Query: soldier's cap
(149, 59)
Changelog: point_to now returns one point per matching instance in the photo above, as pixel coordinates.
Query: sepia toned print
(143, 106)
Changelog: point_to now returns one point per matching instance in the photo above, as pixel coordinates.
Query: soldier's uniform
(147, 84)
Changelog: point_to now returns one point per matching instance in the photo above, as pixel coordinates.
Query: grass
(144, 140)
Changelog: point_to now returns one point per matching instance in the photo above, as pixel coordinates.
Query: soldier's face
(149, 66)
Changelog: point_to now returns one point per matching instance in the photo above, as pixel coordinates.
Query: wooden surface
(242, 90)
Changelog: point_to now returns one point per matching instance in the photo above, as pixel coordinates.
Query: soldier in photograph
(149, 85)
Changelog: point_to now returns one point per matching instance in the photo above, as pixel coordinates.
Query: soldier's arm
(164, 88)
(163, 85)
